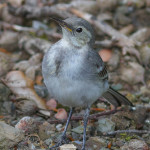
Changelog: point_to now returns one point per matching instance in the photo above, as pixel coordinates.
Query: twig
(32, 12)
(15, 27)
(91, 117)
(127, 131)
(105, 43)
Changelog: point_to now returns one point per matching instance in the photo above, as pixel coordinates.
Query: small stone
(101, 105)
(75, 136)
(9, 40)
(95, 143)
(27, 125)
(26, 107)
(8, 106)
(135, 145)
(122, 120)
(9, 136)
(103, 148)
(48, 141)
(68, 147)
(79, 129)
(114, 60)
(59, 127)
(5, 63)
(4, 92)
(45, 130)
(105, 125)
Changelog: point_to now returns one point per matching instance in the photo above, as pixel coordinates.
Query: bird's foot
(63, 140)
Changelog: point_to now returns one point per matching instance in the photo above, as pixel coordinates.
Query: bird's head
(77, 31)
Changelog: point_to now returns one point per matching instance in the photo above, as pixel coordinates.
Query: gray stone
(9, 136)
(4, 92)
(105, 125)
(135, 145)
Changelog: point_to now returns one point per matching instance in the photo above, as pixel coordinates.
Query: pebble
(135, 145)
(4, 92)
(9, 136)
(59, 127)
(105, 125)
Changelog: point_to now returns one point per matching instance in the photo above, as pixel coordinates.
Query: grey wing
(95, 66)
(51, 66)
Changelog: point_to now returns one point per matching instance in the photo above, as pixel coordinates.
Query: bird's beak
(63, 24)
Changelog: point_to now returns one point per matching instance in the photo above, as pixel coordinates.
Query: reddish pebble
(61, 114)
(51, 104)
(105, 54)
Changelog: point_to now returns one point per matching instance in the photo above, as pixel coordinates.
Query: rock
(105, 125)
(48, 141)
(45, 130)
(106, 5)
(8, 106)
(16, 3)
(101, 105)
(132, 74)
(27, 125)
(5, 63)
(135, 3)
(68, 147)
(145, 54)
(85, 6)
(9, 136)
(76, 136)
(30, 66)
(122, 19)
(6, 16)
(26, 107)
(59, 127)
(114, 60)
(9, 40)
(4, 92)
(141, 35)
(103, 148)
(78, 129)
(122, 120)
(95, 143)
(135, 145)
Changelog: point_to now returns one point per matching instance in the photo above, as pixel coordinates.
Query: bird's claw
(63, 140)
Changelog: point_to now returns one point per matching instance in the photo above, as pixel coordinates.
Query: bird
(74, 73)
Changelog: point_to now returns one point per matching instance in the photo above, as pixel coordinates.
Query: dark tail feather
(116, 98)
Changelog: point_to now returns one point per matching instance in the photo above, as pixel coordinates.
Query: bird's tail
(116, 98)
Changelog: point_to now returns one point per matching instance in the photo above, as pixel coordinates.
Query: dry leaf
(22, 87)
(61, 114)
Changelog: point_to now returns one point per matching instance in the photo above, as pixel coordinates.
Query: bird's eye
(79, 30)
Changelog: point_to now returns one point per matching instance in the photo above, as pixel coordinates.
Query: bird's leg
(63, 137)
(86, 115)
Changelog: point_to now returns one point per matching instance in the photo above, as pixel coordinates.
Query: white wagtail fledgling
(75, 74)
